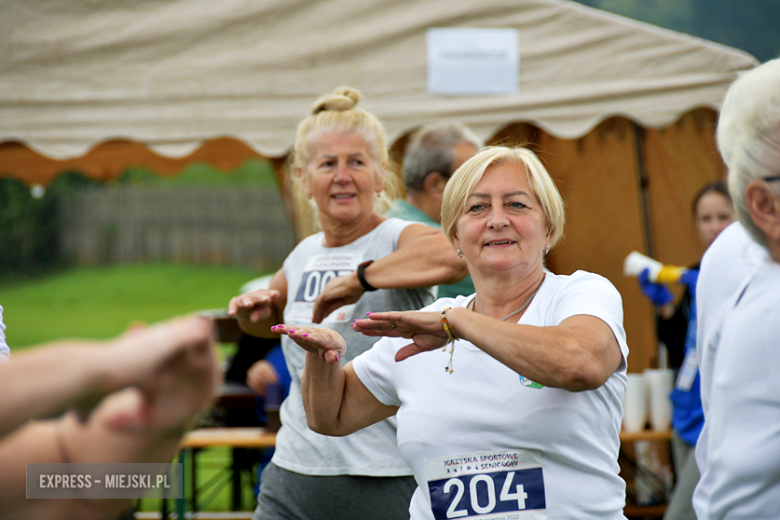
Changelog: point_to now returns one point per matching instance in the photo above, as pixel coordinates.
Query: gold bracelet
(446, 325)
(451, 336)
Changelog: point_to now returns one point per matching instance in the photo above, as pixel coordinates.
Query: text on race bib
(318, 272)
(313, 283)
(488, 485)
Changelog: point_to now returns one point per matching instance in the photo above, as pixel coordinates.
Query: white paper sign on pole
(473, 61)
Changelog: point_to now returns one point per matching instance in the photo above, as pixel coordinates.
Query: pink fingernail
(292, 331)
(369, 313)
(305, 335)
(337, 357)
(351, 324)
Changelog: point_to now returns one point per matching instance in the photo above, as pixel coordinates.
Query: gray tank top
(372, 451)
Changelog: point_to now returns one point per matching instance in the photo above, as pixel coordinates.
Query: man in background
(432, 156)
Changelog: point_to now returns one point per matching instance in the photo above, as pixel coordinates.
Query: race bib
(320, 270)
(489, 485)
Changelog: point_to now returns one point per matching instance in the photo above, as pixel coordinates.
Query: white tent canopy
(93, 84)
(173, 73)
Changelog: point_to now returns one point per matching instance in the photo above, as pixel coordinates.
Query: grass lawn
(100, 302)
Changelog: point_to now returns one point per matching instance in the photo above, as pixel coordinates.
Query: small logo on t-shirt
(530, 384)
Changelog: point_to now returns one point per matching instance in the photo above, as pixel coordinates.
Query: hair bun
(343, 98)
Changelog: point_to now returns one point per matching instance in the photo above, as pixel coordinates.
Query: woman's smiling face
(503, 226)
(342, 176)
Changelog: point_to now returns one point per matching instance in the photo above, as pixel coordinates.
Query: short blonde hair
(465, 179)
(337, 113)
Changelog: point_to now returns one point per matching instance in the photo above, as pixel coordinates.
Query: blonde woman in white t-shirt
(508, 401)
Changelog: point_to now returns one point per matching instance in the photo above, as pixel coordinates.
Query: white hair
(749, 135)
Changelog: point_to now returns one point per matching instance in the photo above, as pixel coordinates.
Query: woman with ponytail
(359, 262)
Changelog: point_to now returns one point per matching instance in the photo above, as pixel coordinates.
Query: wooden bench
(238, 440)
(232, 437)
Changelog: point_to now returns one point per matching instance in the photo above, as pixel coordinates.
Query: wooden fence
(239, 226)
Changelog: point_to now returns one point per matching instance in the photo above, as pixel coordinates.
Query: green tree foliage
(254, 172)
(29, 227)
(750, 25)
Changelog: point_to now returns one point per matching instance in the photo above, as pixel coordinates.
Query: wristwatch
(361, 274)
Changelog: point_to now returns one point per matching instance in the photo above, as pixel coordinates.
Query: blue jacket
(687, 411)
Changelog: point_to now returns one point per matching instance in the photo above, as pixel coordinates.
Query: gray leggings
(285, 495)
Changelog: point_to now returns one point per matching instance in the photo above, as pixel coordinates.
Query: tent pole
(639, 134)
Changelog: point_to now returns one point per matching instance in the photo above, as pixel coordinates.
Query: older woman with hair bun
(359, 262)
(519, 416)
(739, 449)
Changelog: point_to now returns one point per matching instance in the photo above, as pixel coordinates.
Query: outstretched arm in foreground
(49, 380)
(138, 424)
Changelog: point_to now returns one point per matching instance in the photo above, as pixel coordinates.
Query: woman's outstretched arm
(578, 354)
(336, 401)
(258, 310)
(424, 258)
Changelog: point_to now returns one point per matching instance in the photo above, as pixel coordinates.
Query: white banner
(473, 61)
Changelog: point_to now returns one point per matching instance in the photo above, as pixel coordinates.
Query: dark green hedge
(29, 226)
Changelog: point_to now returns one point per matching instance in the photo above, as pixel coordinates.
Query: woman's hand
(340, 291)
(423, 328)
(173, 371)
(690, 278)
(260, 374)
(657, 293)
(254, 306)
(327, 343)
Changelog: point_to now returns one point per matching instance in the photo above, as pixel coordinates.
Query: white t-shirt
(743, 462)
(372, 451)
(486, 441)
(726, 266)
(5, 352)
